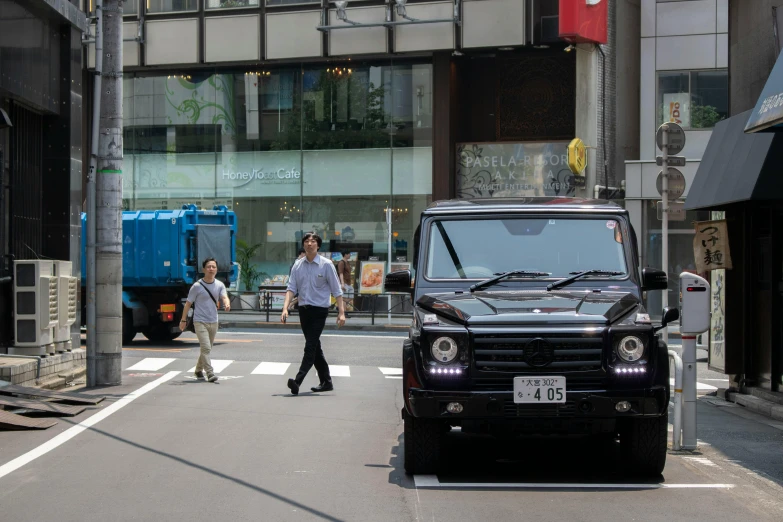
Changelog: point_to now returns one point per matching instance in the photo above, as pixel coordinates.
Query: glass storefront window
(694, 99)
(228, 4)
(272, 3)
(171, 6)
(326, 148)
(681, 235)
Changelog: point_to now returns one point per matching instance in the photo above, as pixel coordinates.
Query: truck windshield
(481, 248)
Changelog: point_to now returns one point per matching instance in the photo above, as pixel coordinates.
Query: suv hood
(531, 307)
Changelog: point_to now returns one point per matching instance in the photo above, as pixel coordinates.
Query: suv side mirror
(654, 279)
(399, 281)
(669, 316)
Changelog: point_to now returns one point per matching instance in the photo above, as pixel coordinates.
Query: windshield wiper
(488, 282)
(577, 275)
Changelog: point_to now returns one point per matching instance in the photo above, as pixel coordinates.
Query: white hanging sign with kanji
(711, 246)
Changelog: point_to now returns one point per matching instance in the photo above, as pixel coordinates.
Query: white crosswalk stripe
(151, 364)
(218, 365)
(391, 373)
(271, 368)
(335, 370)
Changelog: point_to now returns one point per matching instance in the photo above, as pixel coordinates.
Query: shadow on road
(482, 459)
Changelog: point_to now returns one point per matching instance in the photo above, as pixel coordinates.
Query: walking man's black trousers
(312, 320)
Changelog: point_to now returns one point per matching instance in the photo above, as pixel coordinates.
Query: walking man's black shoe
(293, 386)
(324, 386)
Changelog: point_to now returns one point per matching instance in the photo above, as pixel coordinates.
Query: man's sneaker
(293, 387)
(212, 378)
(200, 375)
(323, 387)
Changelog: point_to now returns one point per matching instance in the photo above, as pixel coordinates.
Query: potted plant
(249, 274)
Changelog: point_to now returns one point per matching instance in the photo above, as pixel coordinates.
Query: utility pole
(665, 218)
(108, 212)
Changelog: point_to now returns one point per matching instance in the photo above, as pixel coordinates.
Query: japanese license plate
(540, 390)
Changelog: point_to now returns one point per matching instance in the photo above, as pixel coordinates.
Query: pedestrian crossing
(221, 366)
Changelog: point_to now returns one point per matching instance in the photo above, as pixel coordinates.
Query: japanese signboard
(711, 246)
(717, 321)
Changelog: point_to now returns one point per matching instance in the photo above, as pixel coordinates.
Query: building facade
(684, 79)
(739, 183)
(40, 138)
(299, 116)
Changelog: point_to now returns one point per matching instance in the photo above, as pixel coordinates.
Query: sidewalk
(355, 321)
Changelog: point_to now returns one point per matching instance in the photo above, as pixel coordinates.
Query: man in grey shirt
(314, 278)
(204, 296)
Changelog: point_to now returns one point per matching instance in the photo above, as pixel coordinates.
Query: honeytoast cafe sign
(487, 170)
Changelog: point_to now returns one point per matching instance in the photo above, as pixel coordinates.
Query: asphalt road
(164, 446)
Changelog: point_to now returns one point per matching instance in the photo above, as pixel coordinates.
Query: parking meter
(694, 304)
(694, 319)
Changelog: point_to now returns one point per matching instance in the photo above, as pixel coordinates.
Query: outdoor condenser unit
(35, 307)
(66, 305)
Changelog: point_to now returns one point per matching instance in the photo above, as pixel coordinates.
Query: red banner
(583, 22)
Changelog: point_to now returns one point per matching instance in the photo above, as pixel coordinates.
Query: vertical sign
(711, 246)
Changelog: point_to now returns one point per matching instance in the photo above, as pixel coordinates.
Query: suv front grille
(537, 354)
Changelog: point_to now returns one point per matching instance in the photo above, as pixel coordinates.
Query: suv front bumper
(584, 405)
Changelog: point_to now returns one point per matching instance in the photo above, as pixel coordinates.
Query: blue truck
(161, 258)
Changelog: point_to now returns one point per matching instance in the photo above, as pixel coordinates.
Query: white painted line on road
(271, 368)
(218, 365)
(150, 364)
(390, 371)
(394, 377)
(402, 335)
(699, 386)
(70, 433)
(720, 380)
(432, 482)
(335, 370)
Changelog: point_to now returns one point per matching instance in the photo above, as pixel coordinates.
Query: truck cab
(529, 319)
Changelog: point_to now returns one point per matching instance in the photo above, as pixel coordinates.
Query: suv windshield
(482, 248)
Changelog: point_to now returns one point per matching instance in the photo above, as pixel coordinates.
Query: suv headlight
(630, 348)
(444, 349)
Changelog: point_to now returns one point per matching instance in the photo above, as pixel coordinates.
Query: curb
(61, 380)
(760, 406)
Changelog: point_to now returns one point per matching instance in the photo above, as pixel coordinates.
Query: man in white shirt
(314, 278)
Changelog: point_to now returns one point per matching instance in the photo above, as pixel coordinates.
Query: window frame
(291, 4)
(690, 72)
(147, 12)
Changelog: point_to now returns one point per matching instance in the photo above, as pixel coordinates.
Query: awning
(767, 115)
(738, 167)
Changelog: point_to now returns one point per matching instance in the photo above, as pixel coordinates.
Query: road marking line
(218, 365)
(70, 433)
(390, 371)
(432, 482)
(299, 333)
(175, 350)
(151, 364)
(394, 377)
(335, 370)
(699, 386)
(271, 368)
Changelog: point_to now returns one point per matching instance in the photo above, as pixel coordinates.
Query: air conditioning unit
(66, 305)
(35, 307)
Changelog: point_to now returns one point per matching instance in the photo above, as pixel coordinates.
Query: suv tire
(643, 443)
(422, 442)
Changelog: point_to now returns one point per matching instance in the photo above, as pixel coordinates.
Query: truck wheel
(422, 440)
(643, 445)
(128, 331)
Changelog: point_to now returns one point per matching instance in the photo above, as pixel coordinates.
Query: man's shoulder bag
(189, 326)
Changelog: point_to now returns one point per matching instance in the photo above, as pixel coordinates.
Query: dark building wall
(626, 25)
(752, 50)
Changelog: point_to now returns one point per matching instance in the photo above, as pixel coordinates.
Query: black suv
(528, 319)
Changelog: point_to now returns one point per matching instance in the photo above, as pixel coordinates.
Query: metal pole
(677, 421)
(689, 390)
(665, 217)
(388, 265)
(91, 215)
(108, 248)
